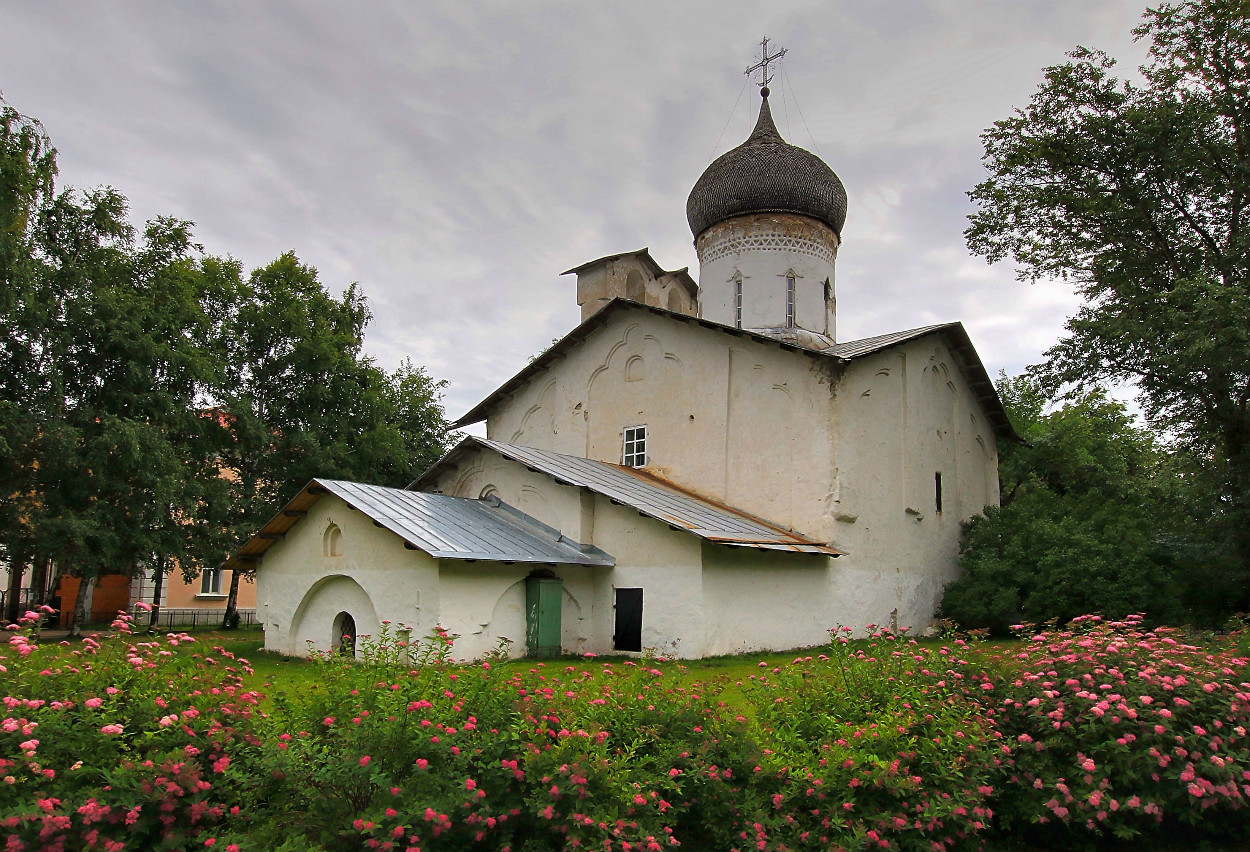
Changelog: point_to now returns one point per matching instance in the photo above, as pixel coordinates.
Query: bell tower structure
(767, 221)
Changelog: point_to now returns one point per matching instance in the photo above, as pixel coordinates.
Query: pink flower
(111, 730)
(364, 761)
(470, 784)
(328, 721)
(422, 763)
(674, 772)
(93, 703)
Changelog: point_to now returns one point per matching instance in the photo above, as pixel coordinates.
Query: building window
(634, 453)
(210, 581)
(738, 301)
(937, 491)
(790, 300)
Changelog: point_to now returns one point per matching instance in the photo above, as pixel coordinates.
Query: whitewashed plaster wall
(758, 600)
(483, 602)
(649, 555)
(300, 589)
(734, 419)
(905, 414)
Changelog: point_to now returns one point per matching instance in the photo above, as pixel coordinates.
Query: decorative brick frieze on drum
(780, 232)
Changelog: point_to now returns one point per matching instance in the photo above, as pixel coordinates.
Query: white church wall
(758, 600)
(663, 562)
(906, 415)
(301, 588)
(698, 398)
(484, 602)
(666, 565)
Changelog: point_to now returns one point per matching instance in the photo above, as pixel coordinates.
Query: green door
(542, 616)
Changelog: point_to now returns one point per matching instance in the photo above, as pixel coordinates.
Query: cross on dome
(762, 66)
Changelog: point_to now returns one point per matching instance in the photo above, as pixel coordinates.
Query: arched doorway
(343, 639)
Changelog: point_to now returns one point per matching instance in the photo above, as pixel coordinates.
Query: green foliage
(874, 744)
(1139, 193)
(878, 743)
(120, 744)
(1126, 731)
(1088, 521)
(155, 405)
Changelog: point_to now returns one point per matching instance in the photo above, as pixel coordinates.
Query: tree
(155, 406)
(27, 170)
(301, 400)
(1139, 193)
(1086, 522)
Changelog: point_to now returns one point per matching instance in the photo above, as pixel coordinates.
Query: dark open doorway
(344, 637)
(628, 620)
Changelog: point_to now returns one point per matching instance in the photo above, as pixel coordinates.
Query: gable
(956, 337)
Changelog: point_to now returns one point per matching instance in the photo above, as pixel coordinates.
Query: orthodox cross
(762, 65)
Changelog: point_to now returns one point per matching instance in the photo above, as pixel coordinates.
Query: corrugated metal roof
(869, 345)
(657, 499)
(442, 526)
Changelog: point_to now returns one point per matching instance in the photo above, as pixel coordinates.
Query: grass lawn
(723, 677)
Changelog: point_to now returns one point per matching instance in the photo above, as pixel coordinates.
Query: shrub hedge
(1100, 729)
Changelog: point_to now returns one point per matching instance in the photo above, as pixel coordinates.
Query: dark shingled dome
(765, 174)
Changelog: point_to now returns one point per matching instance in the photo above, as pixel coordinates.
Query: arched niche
(332, 541)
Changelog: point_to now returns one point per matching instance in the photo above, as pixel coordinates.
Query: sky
(453, 158)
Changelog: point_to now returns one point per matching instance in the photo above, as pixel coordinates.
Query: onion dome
(765, 174)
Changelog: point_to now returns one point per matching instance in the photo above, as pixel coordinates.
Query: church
(698, 468)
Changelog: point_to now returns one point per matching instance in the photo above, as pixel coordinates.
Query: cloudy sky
(455, 157)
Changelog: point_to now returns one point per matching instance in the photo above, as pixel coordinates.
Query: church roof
(765, 174)
(955, 335)
(647, 494)
(442, 526)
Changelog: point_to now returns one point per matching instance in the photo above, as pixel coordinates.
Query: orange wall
(179, 594)
(110, 596)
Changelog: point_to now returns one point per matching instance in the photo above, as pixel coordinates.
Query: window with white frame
(634, 451)
(210, 581)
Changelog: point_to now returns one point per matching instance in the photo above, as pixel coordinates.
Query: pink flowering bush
(438, 756)
(117, 743)
(1120, 729)
(873, 745)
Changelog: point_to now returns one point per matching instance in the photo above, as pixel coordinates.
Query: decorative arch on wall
(540, 418)
(324, 602)
(332, 541)
(635, 369)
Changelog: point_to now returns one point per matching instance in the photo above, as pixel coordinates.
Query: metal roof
(442, 526)
(652, 497)
(956, 336)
